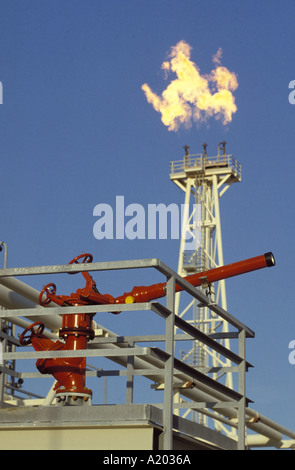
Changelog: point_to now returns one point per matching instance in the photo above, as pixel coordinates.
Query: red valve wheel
(50, 289)
(86, 258)
(25, 338)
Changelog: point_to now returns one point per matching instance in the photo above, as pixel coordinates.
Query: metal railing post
(169, 367)
(242, 391)
(130, 377)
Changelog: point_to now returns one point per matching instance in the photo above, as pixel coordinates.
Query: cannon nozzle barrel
(155, 291)
(270, 259)
(231, 270)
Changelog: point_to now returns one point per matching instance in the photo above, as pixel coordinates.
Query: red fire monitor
(77, 329)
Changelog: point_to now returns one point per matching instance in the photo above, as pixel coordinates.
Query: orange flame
(192, 96)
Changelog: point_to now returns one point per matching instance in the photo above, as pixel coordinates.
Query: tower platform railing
(199, 162)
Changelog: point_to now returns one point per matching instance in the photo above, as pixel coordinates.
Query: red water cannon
(77, 329)
(156, 291)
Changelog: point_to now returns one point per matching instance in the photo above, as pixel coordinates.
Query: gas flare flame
(192, 96)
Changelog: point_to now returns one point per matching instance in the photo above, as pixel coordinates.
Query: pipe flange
(77, 331)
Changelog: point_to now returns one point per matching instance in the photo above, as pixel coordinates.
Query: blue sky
(76, 130)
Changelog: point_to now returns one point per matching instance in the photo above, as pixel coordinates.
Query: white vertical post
(220, 262)
(242, 391)
(169, 366)
(183, 235)
(218, 238)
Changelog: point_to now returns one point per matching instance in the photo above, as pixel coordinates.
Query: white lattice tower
(204, 180)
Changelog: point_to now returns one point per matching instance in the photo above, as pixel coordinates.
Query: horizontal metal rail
(78, 268)
(179, 366)
(119, 265)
